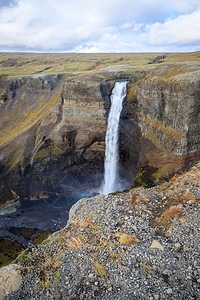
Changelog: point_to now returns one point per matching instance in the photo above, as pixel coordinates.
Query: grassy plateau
(18, 64)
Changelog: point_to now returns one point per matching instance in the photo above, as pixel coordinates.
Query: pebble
(169, 291)
(156, 245)
(178, 245)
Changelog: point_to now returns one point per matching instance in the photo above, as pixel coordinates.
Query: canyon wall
(168, 106)
(52, 129)
(56, 148)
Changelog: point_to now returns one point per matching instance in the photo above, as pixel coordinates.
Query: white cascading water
(111, 177)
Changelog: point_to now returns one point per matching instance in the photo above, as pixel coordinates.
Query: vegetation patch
(18, 64)
(131, 92)
(126, 239)
(140, 180)
(40, 237)
(170, 214)
(134, 200)
(47, 152)
(144, 177)
(23, 257)
(119, 192)
(101, 270)
(9, 251)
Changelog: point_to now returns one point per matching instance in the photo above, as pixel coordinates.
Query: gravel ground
(143, 244)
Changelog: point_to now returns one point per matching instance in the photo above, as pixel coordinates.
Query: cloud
(98, 26)
(46, 25)
(183, 30)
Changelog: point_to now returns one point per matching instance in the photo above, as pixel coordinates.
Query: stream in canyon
(23, 223)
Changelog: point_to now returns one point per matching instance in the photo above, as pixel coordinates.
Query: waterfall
(111, 177)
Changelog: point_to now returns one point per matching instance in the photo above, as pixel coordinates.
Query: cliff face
(53, 129)
(72, 153)
(169, 117)
(171, 95)
(55, 141)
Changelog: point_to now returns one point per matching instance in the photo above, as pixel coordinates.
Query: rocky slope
(143, 244)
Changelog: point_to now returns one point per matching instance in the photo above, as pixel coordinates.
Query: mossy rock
(144, 177)
(119, 192)
(40, 237)
(9, 251)
(131, 92)
(139, 180)
(48, 150)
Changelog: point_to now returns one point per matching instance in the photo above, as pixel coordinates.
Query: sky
(89, 26)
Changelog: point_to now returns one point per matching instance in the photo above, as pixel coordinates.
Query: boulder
(10, 280)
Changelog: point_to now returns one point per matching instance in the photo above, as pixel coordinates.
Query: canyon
(52, 136)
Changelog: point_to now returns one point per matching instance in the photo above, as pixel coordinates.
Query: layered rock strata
(53, 129)
(63, 147)
(169, 117)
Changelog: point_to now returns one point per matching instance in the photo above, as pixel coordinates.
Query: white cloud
(185, 29)
(105, 26)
